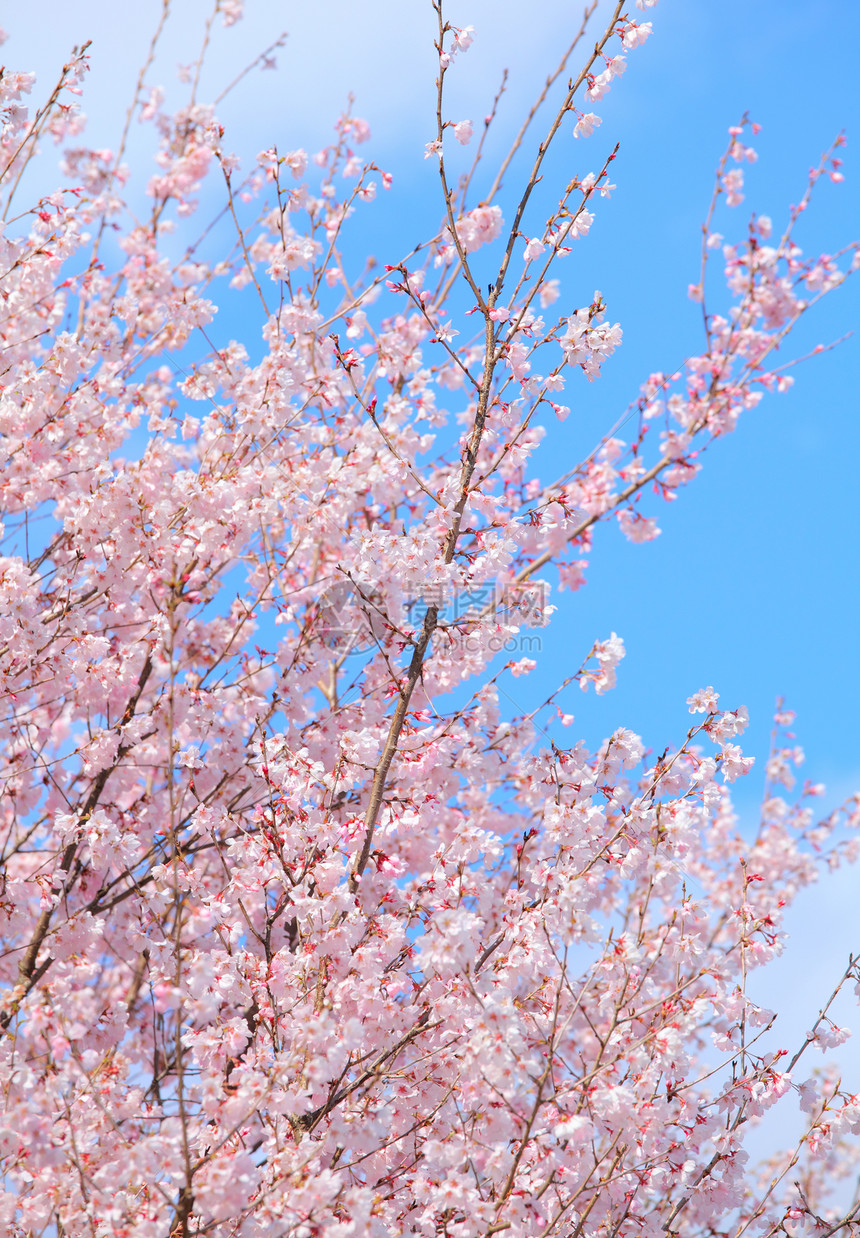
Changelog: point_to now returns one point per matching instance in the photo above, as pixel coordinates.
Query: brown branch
(29, 974)
(534, 175)
(307, 1121)
(416, 666)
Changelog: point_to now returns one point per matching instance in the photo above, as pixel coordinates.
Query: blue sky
(753, 585)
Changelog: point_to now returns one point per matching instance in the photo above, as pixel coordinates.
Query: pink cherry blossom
(534, 248)
(636, 527)
(704, 701)
(231, 11)
(479, 226)
(588, 341)
(586, 125)
(464, 38)
(549, 292)
(636, 34)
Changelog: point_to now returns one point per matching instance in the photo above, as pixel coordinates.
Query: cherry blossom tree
(304, 934)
